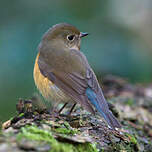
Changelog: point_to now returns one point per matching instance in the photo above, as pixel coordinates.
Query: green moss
(35, 133)
(117, 147)
(67, 125)
(65, 131)
(87, 147)
(21, 115)
(130, 102)
(132, 138)
(131, 146)
(65, 128)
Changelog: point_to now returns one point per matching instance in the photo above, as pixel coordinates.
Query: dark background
(120, 40)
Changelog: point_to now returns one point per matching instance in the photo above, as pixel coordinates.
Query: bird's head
(64, 35)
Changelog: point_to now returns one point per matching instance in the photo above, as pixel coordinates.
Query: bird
(62, 73)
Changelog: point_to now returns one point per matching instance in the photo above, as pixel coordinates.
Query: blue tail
(103, 109)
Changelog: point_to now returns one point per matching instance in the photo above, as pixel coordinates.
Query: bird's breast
(47, 88)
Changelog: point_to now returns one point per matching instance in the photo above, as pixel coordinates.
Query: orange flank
(48, 89)
(41, 82)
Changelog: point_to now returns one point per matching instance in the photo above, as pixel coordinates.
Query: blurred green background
(120, 40)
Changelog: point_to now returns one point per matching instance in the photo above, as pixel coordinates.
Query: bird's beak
(83, 34)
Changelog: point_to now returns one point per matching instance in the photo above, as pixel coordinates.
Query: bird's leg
(69, 113)
(62, 108)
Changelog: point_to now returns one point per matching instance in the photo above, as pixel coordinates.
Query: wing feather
(74, 84)
(71, 84)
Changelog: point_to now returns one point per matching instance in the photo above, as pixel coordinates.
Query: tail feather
(103, 109)
(111, 120)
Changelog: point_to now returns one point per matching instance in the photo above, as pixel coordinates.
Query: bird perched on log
(63, 74)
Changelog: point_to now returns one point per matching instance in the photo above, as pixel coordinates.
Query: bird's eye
(70, 37)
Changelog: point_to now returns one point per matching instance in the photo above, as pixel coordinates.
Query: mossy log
(36, 129)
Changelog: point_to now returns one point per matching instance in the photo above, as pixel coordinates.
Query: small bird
(63, 74)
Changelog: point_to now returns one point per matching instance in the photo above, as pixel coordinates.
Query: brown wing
(72, 85)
